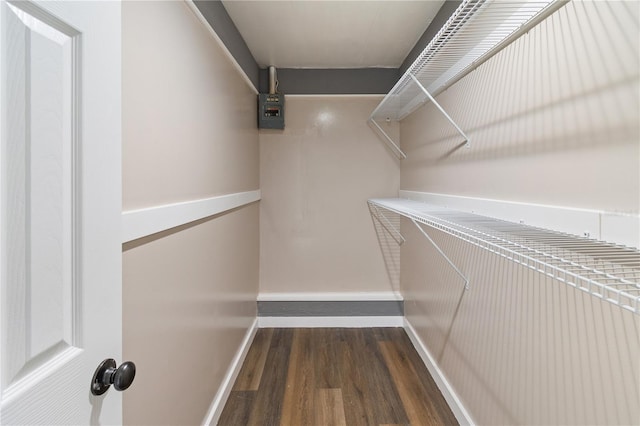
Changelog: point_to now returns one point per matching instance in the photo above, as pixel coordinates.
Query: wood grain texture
(423, 374)
(355, 391)
(326, 344)
(389, 407)
(298, 406)
(329, 408)
(419, 410)
(335, 376)
(242, 402)
(252, 368)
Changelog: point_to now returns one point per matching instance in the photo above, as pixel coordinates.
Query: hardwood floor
(334, 376)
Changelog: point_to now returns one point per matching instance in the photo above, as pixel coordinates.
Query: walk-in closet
(308, 213)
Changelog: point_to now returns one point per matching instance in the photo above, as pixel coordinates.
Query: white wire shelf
(477, 30)
(607, 271)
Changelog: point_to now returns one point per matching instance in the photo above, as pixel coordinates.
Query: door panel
(58, 314)
(41, 201)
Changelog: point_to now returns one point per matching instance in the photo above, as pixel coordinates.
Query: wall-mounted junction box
(271, 111)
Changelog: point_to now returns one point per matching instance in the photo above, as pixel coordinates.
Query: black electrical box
(271, 111)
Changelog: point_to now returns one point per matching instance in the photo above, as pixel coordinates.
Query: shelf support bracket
(455, 268)
(394, 147)
(431, 98)
(395, 234)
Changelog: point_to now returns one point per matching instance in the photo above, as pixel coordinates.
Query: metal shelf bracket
(455, 268)
(431, 98)
(390, 143)
(386, 224)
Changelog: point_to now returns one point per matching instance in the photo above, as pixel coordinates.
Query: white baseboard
(330, 296)
(219, 401)
(330, 322)
(449, 394)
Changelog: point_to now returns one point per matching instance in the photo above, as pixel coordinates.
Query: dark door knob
(107, 374)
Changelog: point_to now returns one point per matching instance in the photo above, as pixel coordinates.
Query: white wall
(189, 293)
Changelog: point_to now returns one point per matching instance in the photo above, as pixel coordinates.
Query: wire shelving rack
(607, 271)
(476, 31)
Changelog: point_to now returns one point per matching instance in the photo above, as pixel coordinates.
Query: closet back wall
(316, 176)
(189, 133)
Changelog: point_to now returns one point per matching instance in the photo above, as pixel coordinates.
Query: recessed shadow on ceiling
(370, 80)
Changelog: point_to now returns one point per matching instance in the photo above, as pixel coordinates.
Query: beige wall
(316, 234)
(189, 118)
(189, 298)
(188, 133)
(518, 347)
(553, 119)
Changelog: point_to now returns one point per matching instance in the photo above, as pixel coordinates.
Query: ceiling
(331, 34)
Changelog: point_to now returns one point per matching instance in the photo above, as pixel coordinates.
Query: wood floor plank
(381, 334)
(237, 410)
(418, 408)
(335, 376)
(388, 407)
(267, 406)
(329, 408)
(355, 393)
(390, 334)
(435, 396)
(326, 347)
(253, 366)
(299, 396)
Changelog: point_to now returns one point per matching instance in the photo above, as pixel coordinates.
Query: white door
(60, 253)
